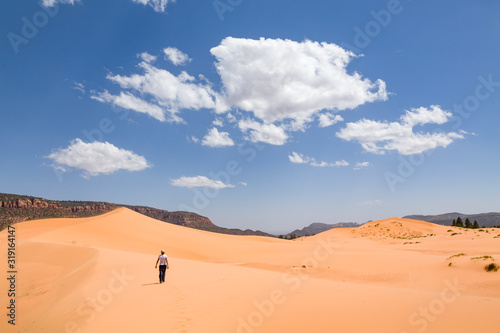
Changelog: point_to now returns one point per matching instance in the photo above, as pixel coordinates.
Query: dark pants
(163, 268)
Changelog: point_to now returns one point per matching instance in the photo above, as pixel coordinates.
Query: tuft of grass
(304, 266)
(450, 230)
(481, 258)
(491, 267)
(456, 255)
(449, 265)
(455, 233)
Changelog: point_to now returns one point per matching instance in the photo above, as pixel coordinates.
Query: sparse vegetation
(455, 233)
(482, 258)
(468, 224)
(456, 255)
(292, 236)
(491, 267)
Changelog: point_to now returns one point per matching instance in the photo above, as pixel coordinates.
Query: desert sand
(395, 275)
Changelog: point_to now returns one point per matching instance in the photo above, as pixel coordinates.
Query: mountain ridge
(317, 227)
(19, 208)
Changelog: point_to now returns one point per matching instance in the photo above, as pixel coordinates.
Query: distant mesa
(19, 208)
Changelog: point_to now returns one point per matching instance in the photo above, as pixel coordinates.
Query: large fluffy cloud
(199, 181)
(97, 158)
(271, 87)
(378, 137)
(279, 79)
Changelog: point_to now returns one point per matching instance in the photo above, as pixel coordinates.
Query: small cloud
(301, 159)
(328, 119)
(214, 138)
(341, 163)
(267, 133)
(243, 184)
(157, 5)
(199, 181)
(193, 139)
(218, 122)
(298, 158)
(360, 165)
(175, 56)
(144, 56)
(52, 3)
(79, 86)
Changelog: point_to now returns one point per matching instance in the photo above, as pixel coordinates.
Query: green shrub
(491, 267)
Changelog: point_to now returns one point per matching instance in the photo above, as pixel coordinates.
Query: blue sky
(257, 114)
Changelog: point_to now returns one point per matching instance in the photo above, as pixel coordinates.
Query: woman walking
(162, 259)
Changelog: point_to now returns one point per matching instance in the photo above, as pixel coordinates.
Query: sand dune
(395, 275)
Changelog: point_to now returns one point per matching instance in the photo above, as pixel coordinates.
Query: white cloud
(199, 181)
(146, 57)
(243, 184)
(279, 79)
(194, 139)
(378, 137)
(97, 158)
(157, 5)
(52, 3)
(360, 165)
(79, 86)
(328, 119)
(166, 92)
(268, 133)
(301, 159)
(273, 86)
(214, 138)
(341, 163)
(421, 116)
(218, 122)
(128, 101)
(175, 56)
(321, 164)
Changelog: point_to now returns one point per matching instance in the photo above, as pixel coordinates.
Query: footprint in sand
(182, 320)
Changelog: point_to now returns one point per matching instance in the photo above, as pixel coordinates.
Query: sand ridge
(97, 274)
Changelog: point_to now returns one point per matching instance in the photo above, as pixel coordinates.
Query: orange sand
(97, 275)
